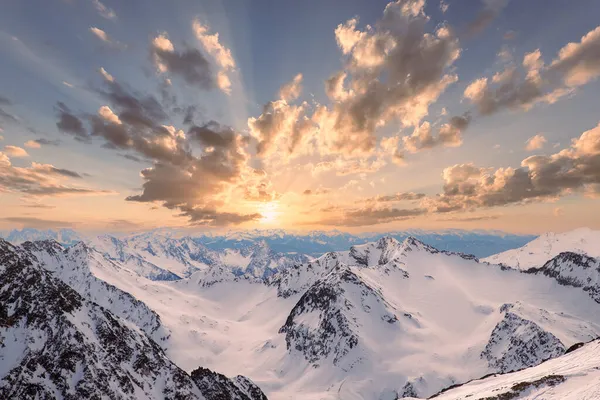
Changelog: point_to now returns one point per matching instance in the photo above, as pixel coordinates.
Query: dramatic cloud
(491, 9)
(40, 180)
(196, 173)
(535, 82)
(194, 186)
(394, 71)
(575, 169)
(104, 11)
(282, 125)
(221, 54)
(189, 65)
(15, 151)
(535, 142)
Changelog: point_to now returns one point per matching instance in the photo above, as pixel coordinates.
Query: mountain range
(385, 319)
(315, 243)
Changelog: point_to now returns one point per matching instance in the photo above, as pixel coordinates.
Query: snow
(579, 369)
(549, 245)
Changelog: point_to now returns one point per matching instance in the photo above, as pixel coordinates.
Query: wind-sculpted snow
(57, 344)
(573, 376)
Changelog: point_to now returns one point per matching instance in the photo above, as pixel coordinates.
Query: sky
(355, 115)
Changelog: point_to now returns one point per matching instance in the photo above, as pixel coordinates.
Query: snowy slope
(549, 245)
(385, 318)
(57, 344)
(80, 267)
(573, 376)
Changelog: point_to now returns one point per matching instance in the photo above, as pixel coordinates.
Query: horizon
(361, 117)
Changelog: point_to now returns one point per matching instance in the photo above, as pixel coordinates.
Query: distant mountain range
(153, 315)
(479, 243)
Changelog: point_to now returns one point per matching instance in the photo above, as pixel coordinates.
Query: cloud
(395, 70)
(576, 64)
(5, 115)
(100, 34)
(369, 216)
(282, 125)
(291, 90)
(67, 84)
(40, 180)
(403, 196)
(316, 192)
(104, 11)
(15, 151)
(69, 123)
(535, 142)
(32, 222)
(45, 142)
(32, 144)
(221, 54)
(448, 135)
(342, 166)
(189, 65)
(491, 10)
(575, 169)
(444, 6)
(197, 186)
(38, 205)
(107, 77)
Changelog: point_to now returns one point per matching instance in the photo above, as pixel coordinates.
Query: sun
(270, 212)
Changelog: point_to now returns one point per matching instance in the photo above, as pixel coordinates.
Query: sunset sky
(353, 115)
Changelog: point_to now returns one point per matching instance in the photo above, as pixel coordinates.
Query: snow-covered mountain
(160, 257)
(535, 253)
(386, 318)
(573, 376)
(55, 343)
(316, 243)
(63, 236)
(382, 320)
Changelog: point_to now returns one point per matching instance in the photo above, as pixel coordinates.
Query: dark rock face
(573, 269)
(517, 343)
(54, 343)
(213, 385)
(335, 329)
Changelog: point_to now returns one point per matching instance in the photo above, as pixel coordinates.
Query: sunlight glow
(269, 212)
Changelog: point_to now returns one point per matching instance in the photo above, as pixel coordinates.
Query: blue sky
(51, 54)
